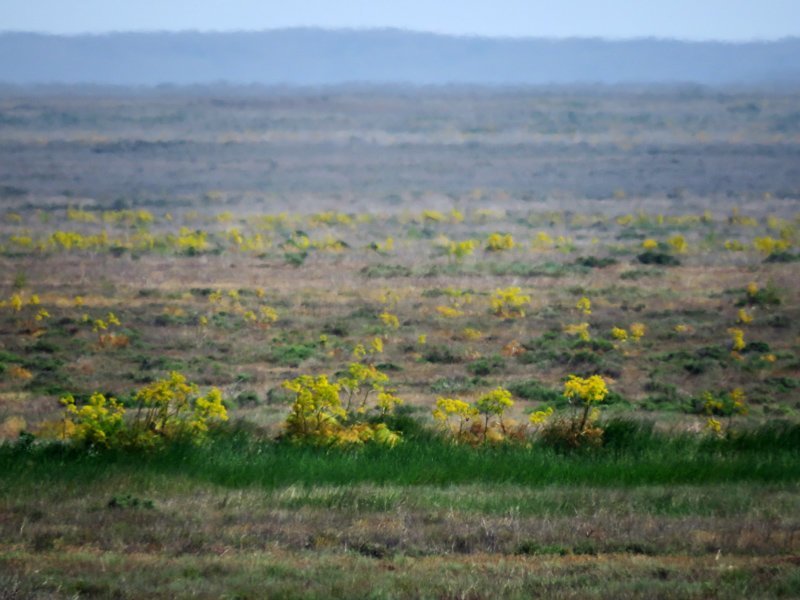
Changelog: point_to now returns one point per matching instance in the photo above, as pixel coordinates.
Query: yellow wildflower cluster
(498, 242)
(735, 246)
(16, 302)
(458, 250)
(619, 334)
(495, 402)
(678, 243)
(191, 242)
(540, 416)
(432, 216)
(374, 347)
(579, 329)
(509, 303)
(389, 320)
(449, 312)
(584, 305)
(637, 331)
(730, 404)
(460, 418)
(384, 247)
(768, 245)
(168, 409)
(359, 381)
(172, 408)
(737, 218)
(97, 423)
(318, 417)
(649, 244)
(589, 390)
(737, 339)
(471, 334)
(454, 414)
(542, 242)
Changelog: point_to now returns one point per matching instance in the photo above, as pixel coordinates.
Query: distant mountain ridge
(325, 57)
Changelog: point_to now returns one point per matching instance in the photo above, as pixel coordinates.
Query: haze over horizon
(323, 57)
(689, 20)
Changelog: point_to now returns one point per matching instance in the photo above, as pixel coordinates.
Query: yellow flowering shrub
(376, 345)
(191, 242)
(743, 317)
(581, 429)
(539, 417)
(318, 417)
(386, 402)
(172, 408)
(317, 409)
(579, 329)
(619, 334)
(492, 406)
(509, 303)
(637, 331)
(649, 244)
(359, 382)
(384, 247)
(495, 402)
(737, 339)
(459, 250)
(97, 423)
(768, 245)
(455, 416)
(586, 390)
(542, 242)
(449, 312)
(471, 334)
(714, 426)
(735, 246)
(584, 305)
(624, 220)
(16, 302)
(726, 404)
(498, 242)
(267, 315)
(389, 320)
(166, 410)
(433, 216)
(678, 243)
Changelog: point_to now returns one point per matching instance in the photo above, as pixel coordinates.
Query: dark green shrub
(293, 354)
(533, 389)
(441, 354)
(654, 257)
(595, 263)
(487, 365)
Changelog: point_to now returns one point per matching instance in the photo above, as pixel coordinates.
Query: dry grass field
(455, 240)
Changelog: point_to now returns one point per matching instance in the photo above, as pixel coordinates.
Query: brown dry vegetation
(716, 166)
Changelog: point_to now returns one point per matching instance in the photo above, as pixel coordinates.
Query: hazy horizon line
(481, 36)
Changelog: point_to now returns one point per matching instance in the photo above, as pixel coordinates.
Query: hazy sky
(686, 19)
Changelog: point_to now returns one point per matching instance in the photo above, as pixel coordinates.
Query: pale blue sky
(685, 19)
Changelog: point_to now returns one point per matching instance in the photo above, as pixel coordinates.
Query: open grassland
(646, 516)
(244, 302)
(684, 299)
